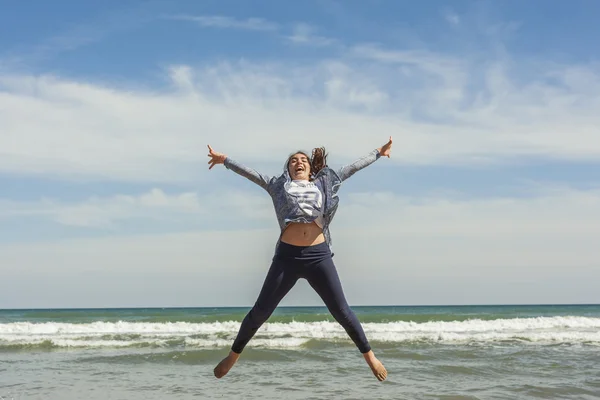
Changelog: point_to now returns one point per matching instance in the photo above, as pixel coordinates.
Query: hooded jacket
(327, 180)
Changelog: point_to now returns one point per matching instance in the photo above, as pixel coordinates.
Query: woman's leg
(324, 279)
(277, 284)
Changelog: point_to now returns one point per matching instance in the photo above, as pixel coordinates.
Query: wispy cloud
(105, 212)
(305, 34)
(154, 207)
(225, 22)
(72, 37)
(442, 109)
(422, 59)
(451, 17)
(548, 210)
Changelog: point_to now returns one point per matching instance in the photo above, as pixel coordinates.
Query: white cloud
(305, 34)
(345, 88)
(389, 250)
(154, 206)
(104, 212)
(549, 212)
(546, 210)
(440, 109)
(219, 21)
(444, 77)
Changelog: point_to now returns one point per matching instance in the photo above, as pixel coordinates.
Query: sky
(491, 194)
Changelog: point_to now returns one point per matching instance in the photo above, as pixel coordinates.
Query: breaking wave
(540, 330)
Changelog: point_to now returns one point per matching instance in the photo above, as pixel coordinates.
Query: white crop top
(310, 201)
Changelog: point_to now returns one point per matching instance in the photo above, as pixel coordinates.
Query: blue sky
(106, 109)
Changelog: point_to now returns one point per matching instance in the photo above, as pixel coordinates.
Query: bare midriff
(302, 234)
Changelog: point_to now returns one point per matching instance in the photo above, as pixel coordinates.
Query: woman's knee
(343, 314)
(261, 313)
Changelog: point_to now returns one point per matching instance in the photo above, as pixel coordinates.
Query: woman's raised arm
(249, 173)
(348, 170)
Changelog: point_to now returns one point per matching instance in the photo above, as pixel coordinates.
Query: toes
(382, 374)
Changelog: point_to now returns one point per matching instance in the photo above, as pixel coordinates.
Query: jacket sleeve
(252, 175)
(348, 170)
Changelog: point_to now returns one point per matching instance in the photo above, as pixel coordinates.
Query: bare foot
(225, 365)
(376, 366)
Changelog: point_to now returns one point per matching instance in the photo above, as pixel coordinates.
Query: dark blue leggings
(315, 264)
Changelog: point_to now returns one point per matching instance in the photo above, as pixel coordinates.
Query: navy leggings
(315, 264)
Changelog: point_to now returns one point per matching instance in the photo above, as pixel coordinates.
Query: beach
(445, 352)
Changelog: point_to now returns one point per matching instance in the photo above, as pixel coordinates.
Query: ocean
(446, 352)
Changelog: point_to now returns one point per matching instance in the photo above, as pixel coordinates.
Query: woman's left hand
(386, 149)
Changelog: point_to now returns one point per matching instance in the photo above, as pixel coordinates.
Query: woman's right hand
(215, 158)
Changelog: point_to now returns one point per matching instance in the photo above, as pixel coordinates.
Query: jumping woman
(305, 200)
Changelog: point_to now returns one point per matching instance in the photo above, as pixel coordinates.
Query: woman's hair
(318, 160)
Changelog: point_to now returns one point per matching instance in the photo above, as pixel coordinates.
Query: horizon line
(299, 306)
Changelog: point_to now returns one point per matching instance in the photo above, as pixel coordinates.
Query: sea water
(448, 352)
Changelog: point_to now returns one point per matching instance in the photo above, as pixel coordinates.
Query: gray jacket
(328, 181)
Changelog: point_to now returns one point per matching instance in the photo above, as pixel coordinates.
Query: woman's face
(299, 167)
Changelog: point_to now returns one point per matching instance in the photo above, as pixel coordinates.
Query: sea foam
(540, 330)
